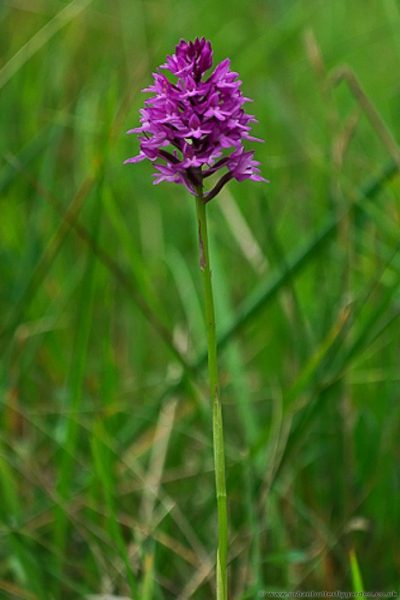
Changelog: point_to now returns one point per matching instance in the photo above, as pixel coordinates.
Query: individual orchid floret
(195, 126)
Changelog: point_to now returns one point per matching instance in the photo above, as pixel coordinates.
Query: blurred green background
(106, 475)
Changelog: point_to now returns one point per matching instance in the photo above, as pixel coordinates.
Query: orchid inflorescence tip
(196, 126)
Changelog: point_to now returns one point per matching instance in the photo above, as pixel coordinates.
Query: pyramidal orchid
(194, 127)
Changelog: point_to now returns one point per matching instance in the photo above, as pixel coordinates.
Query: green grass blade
(356, 579)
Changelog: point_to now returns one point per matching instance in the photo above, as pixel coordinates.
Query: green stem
(218, 430)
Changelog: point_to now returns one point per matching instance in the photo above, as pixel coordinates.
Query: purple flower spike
(196, 126)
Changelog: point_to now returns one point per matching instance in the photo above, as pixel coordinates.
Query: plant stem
(218, 430)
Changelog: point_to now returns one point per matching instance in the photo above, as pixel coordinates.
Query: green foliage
(356, 574)
(106, 482)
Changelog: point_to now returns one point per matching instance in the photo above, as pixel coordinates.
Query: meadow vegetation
(106, 481)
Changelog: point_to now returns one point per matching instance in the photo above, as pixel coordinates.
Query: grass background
(106, 476)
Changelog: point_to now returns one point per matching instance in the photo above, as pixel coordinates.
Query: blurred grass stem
(218, 431)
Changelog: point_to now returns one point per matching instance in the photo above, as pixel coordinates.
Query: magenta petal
(251, 138)
(135, 159)
(135, 130)
(259, 178)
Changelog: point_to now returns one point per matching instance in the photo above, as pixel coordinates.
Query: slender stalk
(218, 430)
